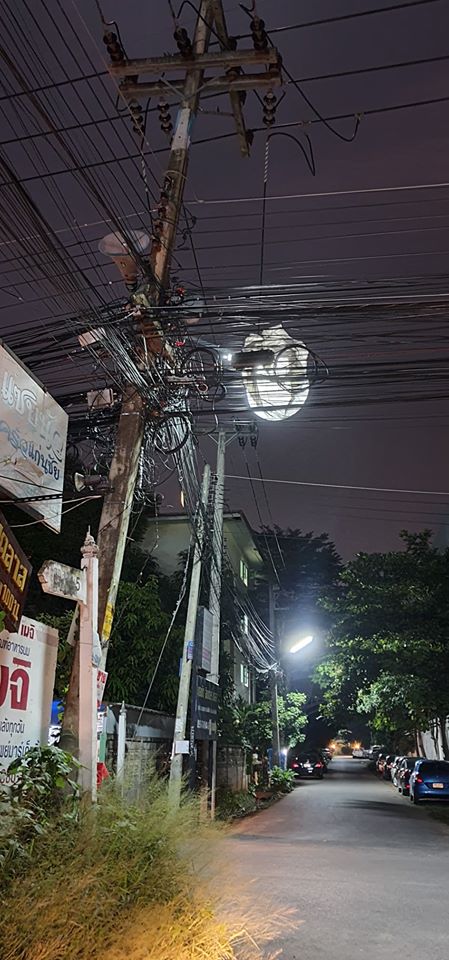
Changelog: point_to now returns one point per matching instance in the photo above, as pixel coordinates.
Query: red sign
(15, 570)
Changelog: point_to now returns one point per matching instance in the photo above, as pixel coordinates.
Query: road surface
(366, 873)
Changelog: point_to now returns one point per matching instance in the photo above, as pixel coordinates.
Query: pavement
(365, 873)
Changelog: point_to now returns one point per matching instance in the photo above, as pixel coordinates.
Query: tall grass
(126, 882)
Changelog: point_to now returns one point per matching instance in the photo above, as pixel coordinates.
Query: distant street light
(304, 642)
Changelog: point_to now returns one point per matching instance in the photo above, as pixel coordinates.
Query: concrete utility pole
(87, 726)
(117, 505)
(179, 740)
(276, 741)
(215, 592)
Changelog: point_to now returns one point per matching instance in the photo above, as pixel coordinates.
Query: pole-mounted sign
(62, 581)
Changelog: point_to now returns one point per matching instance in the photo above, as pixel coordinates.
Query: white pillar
(121, 743)
(88, 650)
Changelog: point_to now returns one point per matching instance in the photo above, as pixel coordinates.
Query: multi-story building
(169, 537)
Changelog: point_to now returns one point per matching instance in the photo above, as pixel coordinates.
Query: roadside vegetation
(388, 652)
(130, 879)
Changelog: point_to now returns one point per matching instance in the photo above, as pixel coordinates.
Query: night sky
(404, 234)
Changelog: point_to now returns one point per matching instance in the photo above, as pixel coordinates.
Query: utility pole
(276, 741)
(179, 740)
(87, 730)
(193, 61)
(215, 591)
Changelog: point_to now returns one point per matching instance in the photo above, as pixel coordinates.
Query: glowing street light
(304, 642)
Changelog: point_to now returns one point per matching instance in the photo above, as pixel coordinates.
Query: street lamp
(300, 644)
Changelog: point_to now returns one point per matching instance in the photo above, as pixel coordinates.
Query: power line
(344, 486)
(391, 8)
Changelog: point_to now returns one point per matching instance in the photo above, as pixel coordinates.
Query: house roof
(234, 522)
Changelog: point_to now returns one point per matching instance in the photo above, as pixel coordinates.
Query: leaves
(389, 650)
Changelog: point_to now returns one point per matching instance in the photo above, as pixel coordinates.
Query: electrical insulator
(114, 47)
(183, 41)
(165, 117)
(136, 112)
(260, 39)
(269, 108)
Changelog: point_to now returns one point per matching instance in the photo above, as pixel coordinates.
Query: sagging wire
(181, 596)
(310, 161)
(251, 12)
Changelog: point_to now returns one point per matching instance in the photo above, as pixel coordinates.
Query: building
(168, 538)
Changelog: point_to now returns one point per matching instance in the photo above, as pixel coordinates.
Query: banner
(33, 436)
(15, 569)
(27, 676)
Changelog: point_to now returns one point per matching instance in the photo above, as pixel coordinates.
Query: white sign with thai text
(27, 676)
(33, 436)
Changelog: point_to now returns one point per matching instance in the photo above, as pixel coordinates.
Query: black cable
(311, 165)
(346, 16)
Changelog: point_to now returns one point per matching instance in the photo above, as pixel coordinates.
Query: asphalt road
(365, 872)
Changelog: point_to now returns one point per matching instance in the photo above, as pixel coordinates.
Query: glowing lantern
(278, 386)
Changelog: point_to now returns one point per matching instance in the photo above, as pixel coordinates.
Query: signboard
(203, 638)
(27, 675)
(33, 435)
(63, 581)
(15, 571)
(101, 683)
(206, 709)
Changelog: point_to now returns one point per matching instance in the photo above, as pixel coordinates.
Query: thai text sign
(62, 581)
(15, 571)
(206, 709)
(33, 435)
(27, 674)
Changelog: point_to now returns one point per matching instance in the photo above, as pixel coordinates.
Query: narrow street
(365, 872)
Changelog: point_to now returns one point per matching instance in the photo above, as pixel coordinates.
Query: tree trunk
(444, 739)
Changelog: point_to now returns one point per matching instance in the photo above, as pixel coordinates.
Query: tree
(139, 632)
(253, 722)
(389, 649)
(306, 565)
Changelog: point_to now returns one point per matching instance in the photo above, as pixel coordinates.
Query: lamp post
(295, 648)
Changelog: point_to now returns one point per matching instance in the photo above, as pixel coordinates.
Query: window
(245, 624)
(244, 572)
(244, 675)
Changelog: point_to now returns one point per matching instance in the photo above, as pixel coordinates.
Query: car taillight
(295, 766)
(319, 765)
(419, 780)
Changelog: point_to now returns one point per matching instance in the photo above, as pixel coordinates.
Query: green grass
(130, 880)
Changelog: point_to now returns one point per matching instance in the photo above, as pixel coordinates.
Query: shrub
(42, 787)
(281, 781)
(232, 805)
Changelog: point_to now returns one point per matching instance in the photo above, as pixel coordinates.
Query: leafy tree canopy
(389, 647)
(252, 722)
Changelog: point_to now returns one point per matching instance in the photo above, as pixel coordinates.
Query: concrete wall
(231, 769)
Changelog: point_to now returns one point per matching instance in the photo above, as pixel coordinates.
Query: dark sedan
(308, 765)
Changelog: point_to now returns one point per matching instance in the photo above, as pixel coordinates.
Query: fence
(231, 769)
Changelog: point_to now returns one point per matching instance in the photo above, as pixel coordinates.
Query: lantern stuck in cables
(274, 372)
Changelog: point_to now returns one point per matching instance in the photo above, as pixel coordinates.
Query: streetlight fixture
(300, 644)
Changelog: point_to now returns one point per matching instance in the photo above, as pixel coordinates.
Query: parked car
(394, 769)
(429, 781)
(403, 774)
(327, 755)
(389, 761)
(380, 763)
(308, 765)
